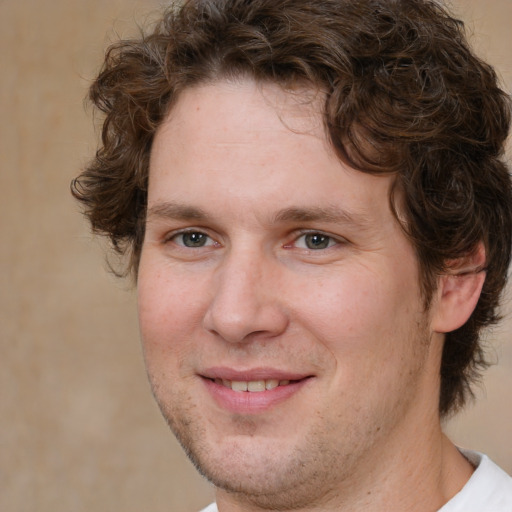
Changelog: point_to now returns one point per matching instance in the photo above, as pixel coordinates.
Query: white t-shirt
(488, 490)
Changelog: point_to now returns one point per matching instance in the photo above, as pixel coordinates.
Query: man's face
(279, 301)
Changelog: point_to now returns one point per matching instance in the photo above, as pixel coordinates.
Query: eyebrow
(329, 214)
(176, 211)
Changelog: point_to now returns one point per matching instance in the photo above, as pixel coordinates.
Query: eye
(192, 239)
(315, 241)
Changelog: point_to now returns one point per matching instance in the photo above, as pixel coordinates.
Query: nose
(246, 301)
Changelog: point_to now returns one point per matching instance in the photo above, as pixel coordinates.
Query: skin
(242, 186)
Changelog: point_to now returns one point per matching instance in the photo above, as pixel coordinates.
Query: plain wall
(78, 427)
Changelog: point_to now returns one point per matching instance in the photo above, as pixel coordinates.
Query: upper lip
(252, 374)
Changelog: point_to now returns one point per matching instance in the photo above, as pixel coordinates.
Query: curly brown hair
(404, 94)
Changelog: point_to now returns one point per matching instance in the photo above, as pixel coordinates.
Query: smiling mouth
(252, 386)
(263, 391)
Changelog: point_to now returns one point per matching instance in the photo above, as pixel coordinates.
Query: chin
(260, 477)
(267, 472)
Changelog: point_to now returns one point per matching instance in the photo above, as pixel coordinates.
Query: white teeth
(256, 385)
(253, 385)
(238, 386)
(271, 383)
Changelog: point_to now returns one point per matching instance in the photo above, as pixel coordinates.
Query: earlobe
(458, 291)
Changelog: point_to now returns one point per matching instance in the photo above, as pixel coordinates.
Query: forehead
(248, 109)
(257, 146)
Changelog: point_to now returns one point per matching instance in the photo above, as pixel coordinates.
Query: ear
(458, 291)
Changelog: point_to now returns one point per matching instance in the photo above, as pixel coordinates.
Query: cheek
(362, 317)
(370, 328)
(168, 312)
(348, 304)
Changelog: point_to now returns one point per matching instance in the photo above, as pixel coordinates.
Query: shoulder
(488, 490)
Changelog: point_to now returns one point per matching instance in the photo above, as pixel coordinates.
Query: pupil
(194, 239)
(317, 241)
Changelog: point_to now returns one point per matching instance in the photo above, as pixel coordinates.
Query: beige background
(78, 427)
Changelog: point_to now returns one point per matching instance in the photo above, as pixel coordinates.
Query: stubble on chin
(245, 470)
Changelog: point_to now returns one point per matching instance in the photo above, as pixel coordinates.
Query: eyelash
(331, 240)
(324, 238)
(174, 236)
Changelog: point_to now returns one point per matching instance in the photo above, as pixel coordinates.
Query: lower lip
(247, 402)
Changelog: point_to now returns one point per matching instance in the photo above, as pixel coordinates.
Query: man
(319, 220)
